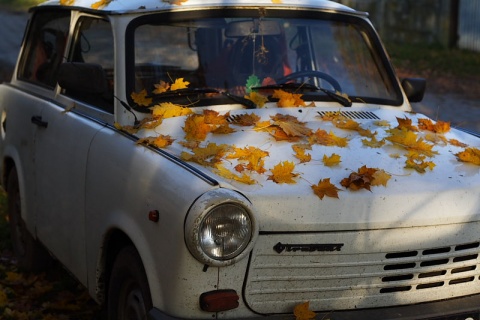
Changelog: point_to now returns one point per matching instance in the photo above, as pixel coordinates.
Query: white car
(231, 159)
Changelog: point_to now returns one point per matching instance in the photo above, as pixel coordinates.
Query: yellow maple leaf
(257, 98)
(302, 312)
(67, 2)
(128, 129)
(300, 152)
(380, 177)
(331, 161)
(224, 172)
(254, 156)
(283, 173)
(470, 155)
(410, 141)
(161, 87)
(213, 117)
(325, 188)
(169, 110)
(406, 123)
(162, 141)
(141, 98)
(438, 127)
(373, 142)
(456, 143)
(101, 3)
(287, 99)
(150, 123)
(196, 128)
(179, 84)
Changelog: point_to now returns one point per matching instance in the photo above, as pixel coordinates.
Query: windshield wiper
(194, 91)
(288, 85)
(343, 99)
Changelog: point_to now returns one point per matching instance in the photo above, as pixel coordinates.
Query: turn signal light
(219, 300)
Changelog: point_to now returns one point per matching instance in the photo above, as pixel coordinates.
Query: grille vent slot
(361, 115)
(431, 268)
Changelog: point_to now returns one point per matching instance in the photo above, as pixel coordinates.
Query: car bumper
(452, 309)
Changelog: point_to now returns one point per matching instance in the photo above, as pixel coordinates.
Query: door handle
(39, 122)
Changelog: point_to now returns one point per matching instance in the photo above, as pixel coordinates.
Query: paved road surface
(461, 112)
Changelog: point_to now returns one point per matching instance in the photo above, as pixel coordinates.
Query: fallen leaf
(287, 99)
(179, 84)
(470, 155)
(208, 156)
(257, 98)
(227, 174)
(141, 98)
(362, 179)
(170, 110)
(302, 312)
(161, 87)
(331, 161)
(252, 155)
(196, 128)
(101, 3)
(327, 139)
(325, 188)
(438, 127)
(283, 173)
(300, 152)
(373, 142)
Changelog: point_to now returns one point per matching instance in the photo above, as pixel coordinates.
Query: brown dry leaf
(362, 179)
(208, 156)
(331, 161)
(141, 99)
(325, 188)
(287, 99)
(300, 152)
(213, 117)
(245, 120)
(327, 139)
(470, 155)
(283, 173)
(382, 123)
(223, 129)
(127, 129)
(161, 87)
(302, 312)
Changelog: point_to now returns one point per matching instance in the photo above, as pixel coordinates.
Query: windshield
(234, 55)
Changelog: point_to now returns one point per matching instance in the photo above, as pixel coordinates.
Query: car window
(93, 44)
(45, 48)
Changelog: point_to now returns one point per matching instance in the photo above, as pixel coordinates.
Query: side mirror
(82, 77)
(414, 88)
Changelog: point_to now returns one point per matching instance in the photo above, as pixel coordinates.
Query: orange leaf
(325, 188)
(161, 87)
(471, 155)
(406, 124)
(162, 141)
(254, 156)
(287, 99)
(438, 127)
(283, 173)
(213, 117)
(196, 128)
(410, 141)
(362, 179)
(245, 120)
(302, 312)
(327, 139)
(206, 156)
(101, 3)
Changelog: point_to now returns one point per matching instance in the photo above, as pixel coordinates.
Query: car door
(62, 147)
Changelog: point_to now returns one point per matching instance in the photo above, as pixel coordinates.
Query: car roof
(124, 6)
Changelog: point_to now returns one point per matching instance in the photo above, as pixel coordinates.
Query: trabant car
(235, 159)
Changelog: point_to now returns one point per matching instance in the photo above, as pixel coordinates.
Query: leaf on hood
(162, 141)
(380, 177)
(331, 161)
(208, 156)
(196, 128)
(300, 152)
(283, 173)
(325, 188)
(213, 117)
(406, 123)
(227, 174)
(302, 312)
(417, 161)
(252, 155)
(170, 110)
(456, 143)
(410, 141)
(470, 155)
(327, 139)
(362, 179)
(438, 127)
(373, 142)
(244, 119)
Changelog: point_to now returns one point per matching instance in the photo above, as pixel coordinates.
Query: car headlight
(219, 228)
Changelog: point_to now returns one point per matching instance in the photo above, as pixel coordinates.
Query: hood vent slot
(361, 115)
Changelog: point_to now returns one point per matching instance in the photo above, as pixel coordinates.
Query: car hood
(440, 190)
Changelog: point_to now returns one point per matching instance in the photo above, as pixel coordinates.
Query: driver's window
(45, 48)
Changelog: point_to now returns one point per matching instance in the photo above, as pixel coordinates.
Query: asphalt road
(446, 106)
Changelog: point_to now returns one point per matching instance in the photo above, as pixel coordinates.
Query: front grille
(364, 274)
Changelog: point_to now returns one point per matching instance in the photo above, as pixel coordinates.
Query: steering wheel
(311, 73)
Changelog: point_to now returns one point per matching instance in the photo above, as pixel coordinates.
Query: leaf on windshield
(471, 155)
(161, 87)
(100, 4)
(179, 84)
(324, 138)
(257, 98)
(141, 99)
(325, 188)
(287, 99)
(331, 161)
(283, 173)
(169, 110)
(302, 312)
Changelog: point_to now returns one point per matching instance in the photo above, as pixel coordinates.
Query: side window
(93, 44)
(45, 47)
